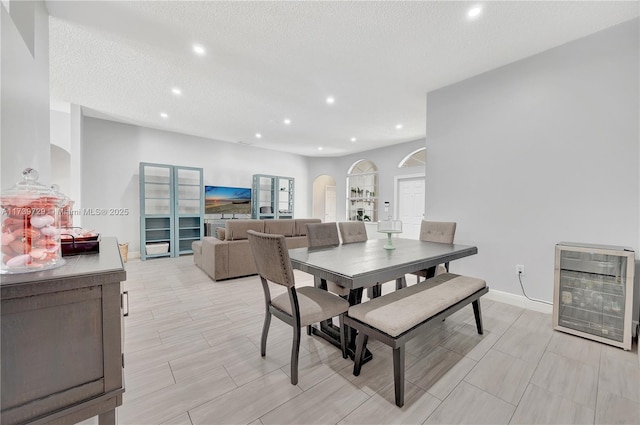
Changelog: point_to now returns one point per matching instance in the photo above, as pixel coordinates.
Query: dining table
(365, 264)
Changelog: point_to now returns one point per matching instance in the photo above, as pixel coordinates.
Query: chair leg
(343, 342)
(361, 343)
(398, 374)
(308, 329)
(478, 313)
(295, 351)
(265, 332)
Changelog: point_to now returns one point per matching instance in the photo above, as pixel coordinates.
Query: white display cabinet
(272, 197)
(171, 209)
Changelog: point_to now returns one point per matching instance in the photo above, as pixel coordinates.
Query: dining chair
(298, 308)
(326, 234)
(436, 231)
(353, 232)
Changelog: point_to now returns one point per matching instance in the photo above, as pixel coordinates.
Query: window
(362, 191)
(416, 158)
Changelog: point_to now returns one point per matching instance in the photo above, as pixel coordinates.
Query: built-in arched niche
(362, 191)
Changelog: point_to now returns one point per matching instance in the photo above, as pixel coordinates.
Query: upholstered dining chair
(353, 231)
(326, 234)
(296, 307)
(436, 231)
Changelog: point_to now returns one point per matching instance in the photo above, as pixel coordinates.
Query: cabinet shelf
(273, 197)
(594, 292)
(175, 214)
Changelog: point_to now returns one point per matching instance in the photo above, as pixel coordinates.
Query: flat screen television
(227, 200)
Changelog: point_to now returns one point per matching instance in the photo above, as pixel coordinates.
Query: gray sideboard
(62, 358)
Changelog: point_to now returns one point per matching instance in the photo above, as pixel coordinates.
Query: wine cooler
(593, 294)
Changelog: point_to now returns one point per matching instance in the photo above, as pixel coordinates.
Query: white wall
(111, 153)
(537, 152)
(24, 92)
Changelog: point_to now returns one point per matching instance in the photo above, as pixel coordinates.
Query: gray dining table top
(363, 264)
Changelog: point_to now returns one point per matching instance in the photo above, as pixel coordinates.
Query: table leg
(107, 418)
(331, 333)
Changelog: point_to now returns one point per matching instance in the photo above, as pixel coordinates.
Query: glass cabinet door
(593, 291)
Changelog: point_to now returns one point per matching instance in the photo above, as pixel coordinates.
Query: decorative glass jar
(30, 226)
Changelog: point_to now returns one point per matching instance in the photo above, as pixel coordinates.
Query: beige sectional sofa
(228, 254)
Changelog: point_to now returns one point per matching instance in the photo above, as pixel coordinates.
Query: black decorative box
(76, 245)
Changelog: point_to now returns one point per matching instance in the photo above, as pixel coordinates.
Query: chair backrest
(272, 257)
(322, 234)
(353, 231)
(266, 210)
(437, 231)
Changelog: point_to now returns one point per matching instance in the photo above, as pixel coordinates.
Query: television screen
(227, 200)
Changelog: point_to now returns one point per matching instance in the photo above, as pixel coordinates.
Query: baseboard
(518, 301)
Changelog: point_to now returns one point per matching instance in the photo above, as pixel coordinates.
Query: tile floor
(192, 357)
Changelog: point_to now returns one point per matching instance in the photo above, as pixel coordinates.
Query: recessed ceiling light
(258, 136)
(164, 115)
(331, 100)
(474, 12)
(398, 126)
(320, 148)
(287, 121)
(353, 139)
(198, 50)
(176, 91)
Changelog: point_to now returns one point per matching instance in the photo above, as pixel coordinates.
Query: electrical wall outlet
(520, 269)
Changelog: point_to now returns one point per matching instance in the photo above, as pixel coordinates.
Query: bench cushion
(403, 309)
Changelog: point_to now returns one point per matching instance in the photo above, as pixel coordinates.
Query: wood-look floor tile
(439, 372)
(528, 346)
(539, 406)
(502, 375)
(248, 402)
(575, 348)
(466, 341)
(567, 378)
(146, 381)
(380, 408)
(615, 409)
(176, 399)
(469, 405)
(163, 353)
(619, 374)
(310, 407)
(182, 419)
(195, 363)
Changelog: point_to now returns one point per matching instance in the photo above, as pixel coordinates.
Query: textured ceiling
(267, 61)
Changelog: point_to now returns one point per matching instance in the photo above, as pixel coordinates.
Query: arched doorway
(324, 198)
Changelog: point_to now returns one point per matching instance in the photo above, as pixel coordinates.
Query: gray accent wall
(537, 152)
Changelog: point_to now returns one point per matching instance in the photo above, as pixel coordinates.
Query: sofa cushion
(301, 225)
(220, 233)
(279, 227)
(237, 229)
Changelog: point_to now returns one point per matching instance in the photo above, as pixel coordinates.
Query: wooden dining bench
(397, 317)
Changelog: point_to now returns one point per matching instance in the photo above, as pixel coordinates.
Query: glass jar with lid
(30, 226)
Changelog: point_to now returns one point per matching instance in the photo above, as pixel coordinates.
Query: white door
(410, 195)
(329, 204)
